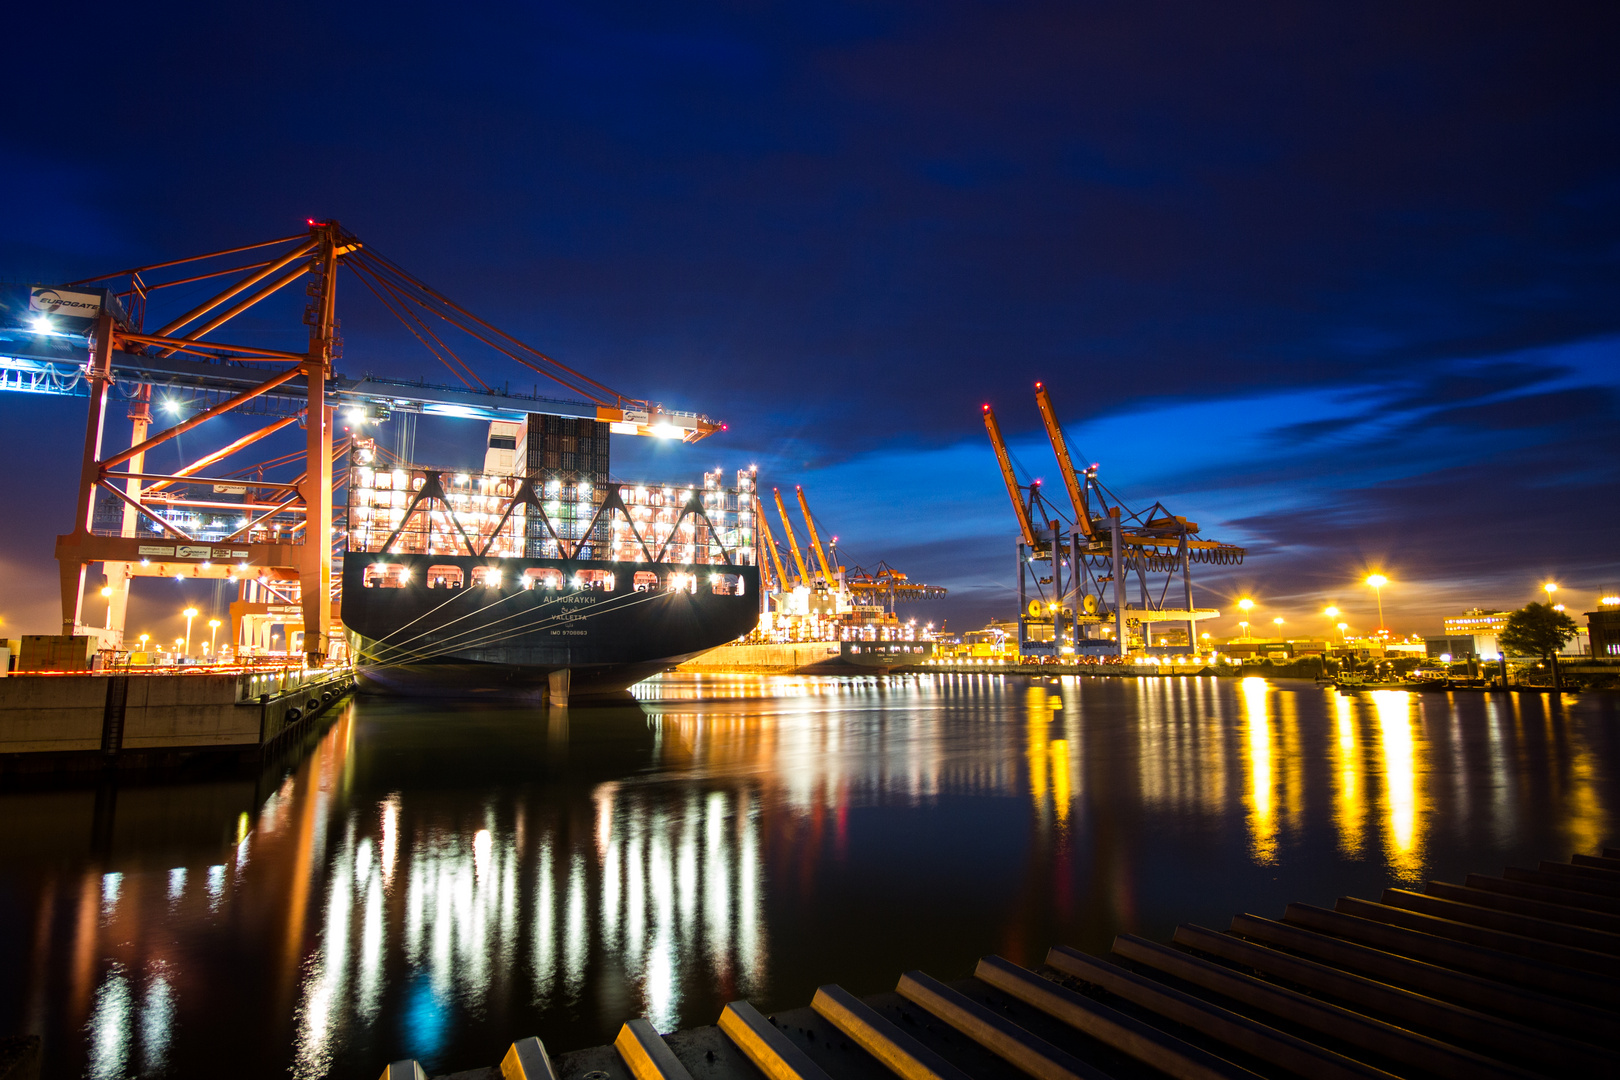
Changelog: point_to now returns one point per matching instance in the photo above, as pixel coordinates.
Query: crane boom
(1060, 447)
(1013, 492)
(815, 541)
(793, 545)
(773, 559)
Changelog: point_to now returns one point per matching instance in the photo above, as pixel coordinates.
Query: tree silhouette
(1538, 630)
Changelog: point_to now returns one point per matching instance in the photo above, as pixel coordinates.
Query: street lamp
(1378, 581)
(1278, 623)
(143, 641)
(106, 592)
(213, 635)
(190, 613)
(1245, 605)
(1245, 627)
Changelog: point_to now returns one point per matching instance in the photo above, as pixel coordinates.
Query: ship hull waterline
(425, 639)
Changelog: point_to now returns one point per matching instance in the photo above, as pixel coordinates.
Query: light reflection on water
(434, 884)
(1402, 800)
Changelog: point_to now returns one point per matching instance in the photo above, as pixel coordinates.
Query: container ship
(540, 571)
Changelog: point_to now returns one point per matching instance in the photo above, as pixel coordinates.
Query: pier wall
(65, 720)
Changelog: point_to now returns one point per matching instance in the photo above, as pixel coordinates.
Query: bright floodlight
(1610, 601)
(1245, 603)
(1278, 620)
(171, 406)
(1377, 581)
(190, 613)
(1332, 613)
(42, 324)
(1550, 588)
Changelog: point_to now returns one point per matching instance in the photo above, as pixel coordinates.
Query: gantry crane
(827, 570)
(774, 558)
(793, 544)
(287, 531)
(1100, 553)
(1060, 447)
(1014, 492)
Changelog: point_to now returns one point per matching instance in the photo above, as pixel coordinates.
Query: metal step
(1507, 977)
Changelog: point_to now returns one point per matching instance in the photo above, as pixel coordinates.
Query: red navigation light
(985, 407)
(1037, 386)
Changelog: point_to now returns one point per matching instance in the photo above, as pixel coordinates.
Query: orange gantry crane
(827, 570)
(773, 560)
(1026, 528)
(286, 531)
(883, 584)
(1060, 447)
(793, 543)
(1097, 557)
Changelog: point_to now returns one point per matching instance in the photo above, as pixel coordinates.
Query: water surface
(429, 882)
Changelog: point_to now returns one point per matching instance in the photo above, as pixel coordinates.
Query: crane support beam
(793, 544)
(1060, 447)
(315, 556)
(827, 570)
(1026, 528)
(242, 286)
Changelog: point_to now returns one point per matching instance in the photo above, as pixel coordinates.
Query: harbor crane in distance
(834, 590)
(1087, 566)
(772, 563)
(793, 543)
(828, 572)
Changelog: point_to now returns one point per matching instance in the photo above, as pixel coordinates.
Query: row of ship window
(399, 576)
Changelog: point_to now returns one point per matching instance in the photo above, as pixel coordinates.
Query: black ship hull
(411, 633)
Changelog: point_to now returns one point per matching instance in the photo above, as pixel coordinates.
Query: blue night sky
(1338, 282)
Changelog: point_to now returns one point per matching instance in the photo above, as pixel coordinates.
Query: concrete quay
(1505, 977)
(129, 719)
